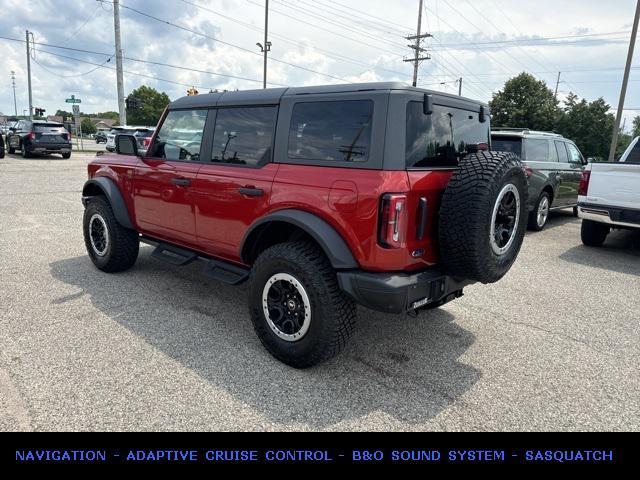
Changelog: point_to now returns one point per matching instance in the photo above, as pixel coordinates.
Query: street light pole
(29, 77)
(625, 83)
(13, 84)
(266, 48)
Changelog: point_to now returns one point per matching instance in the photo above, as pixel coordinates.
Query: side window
(574, 154)
(244, 135)
(634, 155)
(180, 136)
(562, 152)
(338, 131)
(442, 138)
(537, 150)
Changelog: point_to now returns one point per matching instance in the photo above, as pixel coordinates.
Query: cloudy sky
(314, 42)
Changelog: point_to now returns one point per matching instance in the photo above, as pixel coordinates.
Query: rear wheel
(299, 312)
(66, 156)
(594, 233)
(540, 214)
(483, 216)
(111, 247)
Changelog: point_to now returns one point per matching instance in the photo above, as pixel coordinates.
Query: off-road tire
(122, 250)
(533, 214)
(594, 233)
(333, 313)
(466, 211)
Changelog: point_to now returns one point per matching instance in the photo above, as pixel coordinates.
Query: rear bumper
(614, 216)
(50, 148)
(400, 292)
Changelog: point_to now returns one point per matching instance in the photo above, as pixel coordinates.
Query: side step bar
(215, 268)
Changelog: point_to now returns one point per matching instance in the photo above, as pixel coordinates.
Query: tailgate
(615, 184)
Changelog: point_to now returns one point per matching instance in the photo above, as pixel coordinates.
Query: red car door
(233, 188)
(164, 179)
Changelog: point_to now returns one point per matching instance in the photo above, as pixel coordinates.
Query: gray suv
(553, 164)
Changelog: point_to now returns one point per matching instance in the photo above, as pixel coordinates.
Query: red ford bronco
(322, 198)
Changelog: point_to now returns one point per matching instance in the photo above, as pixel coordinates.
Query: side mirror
(126, 145)
(482, 116)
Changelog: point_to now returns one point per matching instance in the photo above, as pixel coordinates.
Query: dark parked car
(322, 198)
(40, 137)
(100, 137)
(553, 164)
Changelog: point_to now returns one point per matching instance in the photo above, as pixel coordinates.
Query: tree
(636, 127)
(87, 126)
(588, 124)
(151, 104)
(524, 102)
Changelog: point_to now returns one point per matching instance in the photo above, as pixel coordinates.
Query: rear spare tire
(483, 216)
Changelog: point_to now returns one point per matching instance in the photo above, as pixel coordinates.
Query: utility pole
(266, 48)
(29, 75)
(460, 87)
(557, 85)
(416, 47)
(116, 26)
(13, 84)
(625, 83)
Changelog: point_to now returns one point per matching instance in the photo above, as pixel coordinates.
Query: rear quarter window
(442, 138)
(336, 131)
(506, 144)
(634, 155)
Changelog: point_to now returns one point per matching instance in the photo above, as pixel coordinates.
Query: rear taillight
(584, 183)
(528, 171)
(31, 136)
(393, 220)
(147, 141)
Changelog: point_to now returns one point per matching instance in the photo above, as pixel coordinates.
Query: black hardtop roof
(272, 96)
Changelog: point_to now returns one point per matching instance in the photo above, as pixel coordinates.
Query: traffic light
(192, 91)
(39, 112)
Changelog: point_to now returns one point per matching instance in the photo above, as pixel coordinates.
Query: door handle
(251, 191)
(181, 182)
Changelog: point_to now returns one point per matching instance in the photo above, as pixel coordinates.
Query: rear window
(507, 144)
(47, 127)
(338, 131)
(442, 138)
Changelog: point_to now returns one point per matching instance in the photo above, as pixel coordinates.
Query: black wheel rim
(98, 234)
(286, 307)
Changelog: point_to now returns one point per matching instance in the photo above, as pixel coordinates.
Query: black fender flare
(111, 191)
(330, 241)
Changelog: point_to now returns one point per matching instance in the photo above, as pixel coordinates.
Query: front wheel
(594, 233)
(66, 156)
(111, 247)
(299, 312)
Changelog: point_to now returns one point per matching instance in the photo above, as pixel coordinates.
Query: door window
(180, 137)
(562, 152)
(574, 154)
(244, 135)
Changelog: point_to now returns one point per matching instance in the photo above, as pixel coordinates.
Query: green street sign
(73, 99)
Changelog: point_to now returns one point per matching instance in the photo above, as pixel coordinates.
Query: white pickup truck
(609, 196)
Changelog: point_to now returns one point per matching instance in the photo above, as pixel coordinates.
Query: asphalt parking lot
(553, 346)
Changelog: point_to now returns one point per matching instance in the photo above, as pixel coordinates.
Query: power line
(151, 62)
(209, 37)
(288, 40)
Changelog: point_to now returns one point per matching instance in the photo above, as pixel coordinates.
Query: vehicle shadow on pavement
(620, 253)
(396, 367)
(559, 218)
